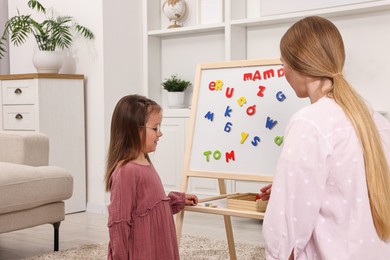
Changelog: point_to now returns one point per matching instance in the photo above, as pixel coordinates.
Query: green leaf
(51, 33)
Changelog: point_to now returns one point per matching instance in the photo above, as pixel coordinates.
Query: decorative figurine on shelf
(176, 11)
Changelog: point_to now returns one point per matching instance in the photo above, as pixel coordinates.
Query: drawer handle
(18, 91)
(18, 116)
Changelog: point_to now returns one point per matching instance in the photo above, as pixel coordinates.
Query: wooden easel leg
(180, 215)
(179, 225)
(228, 224)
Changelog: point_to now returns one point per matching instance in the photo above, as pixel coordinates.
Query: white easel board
(239, 114)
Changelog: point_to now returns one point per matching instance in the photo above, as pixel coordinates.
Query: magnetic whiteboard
(240, 110)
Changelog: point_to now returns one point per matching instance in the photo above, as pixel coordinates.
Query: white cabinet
(243, 29)
(52, 104)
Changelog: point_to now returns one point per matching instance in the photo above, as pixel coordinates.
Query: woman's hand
(191, 200)
(265, 192)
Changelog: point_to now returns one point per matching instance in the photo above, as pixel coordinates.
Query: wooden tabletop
(41, 75)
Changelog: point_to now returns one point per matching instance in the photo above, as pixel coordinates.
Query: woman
(331, 191)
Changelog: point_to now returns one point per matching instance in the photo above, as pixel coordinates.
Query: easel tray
(246, 201)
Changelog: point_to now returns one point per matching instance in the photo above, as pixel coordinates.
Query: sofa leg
(56, 235)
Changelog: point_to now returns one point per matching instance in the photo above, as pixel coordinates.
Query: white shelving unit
(240, 35)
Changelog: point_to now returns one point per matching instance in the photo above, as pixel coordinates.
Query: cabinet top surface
(41, 76)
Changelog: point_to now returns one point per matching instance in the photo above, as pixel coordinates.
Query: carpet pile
(191, 248)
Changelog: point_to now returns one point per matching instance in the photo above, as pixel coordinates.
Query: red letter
(229, 92)
(261, 89)
(212, 85)
(280, 72)
(257, 75)
(230, 156)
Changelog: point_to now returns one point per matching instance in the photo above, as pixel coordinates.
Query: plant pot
(48, 61)
(176, 99)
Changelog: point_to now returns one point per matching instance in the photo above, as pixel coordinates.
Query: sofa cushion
(29, 148)
(23, 187)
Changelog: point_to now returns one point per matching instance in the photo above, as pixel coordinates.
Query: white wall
(4, 62)
(122, 25)
(111, 65)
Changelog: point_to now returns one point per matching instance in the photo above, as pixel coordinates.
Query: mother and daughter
(331, 191)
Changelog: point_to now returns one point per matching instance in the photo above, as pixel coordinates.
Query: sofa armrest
(28, 148)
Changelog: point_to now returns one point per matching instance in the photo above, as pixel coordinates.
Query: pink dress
(140, 221)
(319, 203)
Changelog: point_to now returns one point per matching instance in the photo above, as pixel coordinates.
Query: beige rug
(191, 248)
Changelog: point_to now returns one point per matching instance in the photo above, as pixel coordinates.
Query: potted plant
(175, 87)
(52, 35)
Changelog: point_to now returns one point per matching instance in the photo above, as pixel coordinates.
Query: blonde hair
(129, 117)
(314, 47)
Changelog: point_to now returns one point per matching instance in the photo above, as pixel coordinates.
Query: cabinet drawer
(17, 92)
(19, 117)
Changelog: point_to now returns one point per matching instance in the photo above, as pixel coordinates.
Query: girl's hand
(265, 192)
(191, 200)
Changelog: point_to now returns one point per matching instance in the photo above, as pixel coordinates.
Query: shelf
(220, 27)
(274, 19)
(326, 12)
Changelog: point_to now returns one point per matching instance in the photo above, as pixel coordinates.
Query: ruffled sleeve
(122, 201)
(177, 201)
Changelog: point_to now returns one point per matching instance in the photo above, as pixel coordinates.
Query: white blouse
(319, 203)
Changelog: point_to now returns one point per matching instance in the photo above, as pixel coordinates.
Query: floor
(89, 228)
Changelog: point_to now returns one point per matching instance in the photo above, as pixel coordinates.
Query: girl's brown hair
(128, 120)
(314, 47)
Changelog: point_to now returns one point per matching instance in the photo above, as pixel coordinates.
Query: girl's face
(153, 132)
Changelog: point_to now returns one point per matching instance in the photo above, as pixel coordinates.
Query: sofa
(31, 192)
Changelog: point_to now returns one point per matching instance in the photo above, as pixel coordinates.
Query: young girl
(330, 195)
(140, 219)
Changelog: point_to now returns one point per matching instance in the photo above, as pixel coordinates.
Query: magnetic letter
(229, 92)
(209, 116)
(247, 76)
(218, 84)
(241, 101)
(256, 140)
(280, 96)
(270, 123)
(280, 72)
(243, 137)
(261, 90)
(207, 154)
(268, 74)
(278, 140)
(257, 75)
(230, 156)
(228, 111)
(212, 85)
(217, 155)
(228, 127)
(251, 110)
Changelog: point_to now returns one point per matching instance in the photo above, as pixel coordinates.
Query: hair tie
(337, 74)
